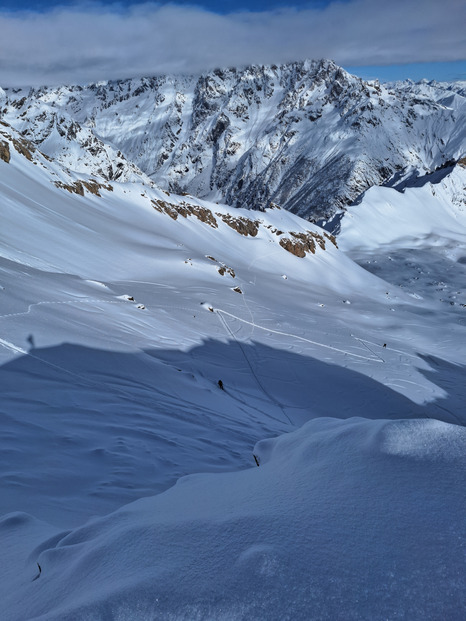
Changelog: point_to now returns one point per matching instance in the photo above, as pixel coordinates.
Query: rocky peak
(306, 135)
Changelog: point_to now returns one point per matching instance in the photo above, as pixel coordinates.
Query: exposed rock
(304, 243)
(332, 239)
(244, 226)
(78, 187)
(24, 147)
(185, 209)
(224, 269)
(4, 151)
(325, 136)
(299, 249)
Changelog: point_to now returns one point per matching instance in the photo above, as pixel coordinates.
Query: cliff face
(306, 135)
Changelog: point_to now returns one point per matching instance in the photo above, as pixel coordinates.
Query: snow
(408, 219)
(115, 329)
(306, 135)
(342, 519)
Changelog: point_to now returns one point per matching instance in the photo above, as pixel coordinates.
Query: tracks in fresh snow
(373, 358)
(254, 374)
(12, 347)
(83, 380)
(57, 302)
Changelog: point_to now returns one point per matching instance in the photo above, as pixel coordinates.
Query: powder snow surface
(342, 520)
(342, 375)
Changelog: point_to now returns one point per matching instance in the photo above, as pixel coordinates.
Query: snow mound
(369, 513)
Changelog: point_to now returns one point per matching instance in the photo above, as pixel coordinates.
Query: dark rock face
(306, 135)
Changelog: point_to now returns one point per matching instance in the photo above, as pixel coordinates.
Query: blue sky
(446, 71)
(225, 6)
(61, 41)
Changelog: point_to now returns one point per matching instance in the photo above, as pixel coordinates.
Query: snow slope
(435, 208)
(342, 520)
(306, 135)
(118, 318)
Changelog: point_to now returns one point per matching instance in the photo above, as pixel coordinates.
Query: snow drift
(343, 519)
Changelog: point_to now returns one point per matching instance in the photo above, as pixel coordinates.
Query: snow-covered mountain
(146, 337)
(307, 135)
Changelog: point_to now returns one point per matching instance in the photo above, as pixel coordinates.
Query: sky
(65, 42)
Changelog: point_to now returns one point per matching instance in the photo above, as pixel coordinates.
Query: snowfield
(145, 338)
(342, 520)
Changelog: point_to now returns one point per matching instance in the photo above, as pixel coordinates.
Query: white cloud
(95, 43)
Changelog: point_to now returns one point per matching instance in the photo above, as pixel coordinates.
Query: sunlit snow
(129, 364)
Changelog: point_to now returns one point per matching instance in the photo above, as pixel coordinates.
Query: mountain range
(307, 136)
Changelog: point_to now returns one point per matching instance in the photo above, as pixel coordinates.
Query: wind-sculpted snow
(342, 520)
(306, 135)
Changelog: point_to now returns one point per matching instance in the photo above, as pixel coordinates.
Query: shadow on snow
(85, 431)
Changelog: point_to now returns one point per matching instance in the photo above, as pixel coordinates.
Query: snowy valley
(213, 412)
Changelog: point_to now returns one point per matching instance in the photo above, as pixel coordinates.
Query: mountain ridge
(305, 135)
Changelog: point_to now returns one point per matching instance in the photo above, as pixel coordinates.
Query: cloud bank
(80, 45)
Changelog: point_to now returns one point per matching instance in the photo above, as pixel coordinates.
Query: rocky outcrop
(79, 187)
(4, 151)
(185, 209)
(300, 244)
(306, 135)
(244, 226)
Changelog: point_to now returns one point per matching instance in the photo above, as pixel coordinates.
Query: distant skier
(220, 385)
(385, 345)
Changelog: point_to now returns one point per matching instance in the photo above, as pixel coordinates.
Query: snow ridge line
(300, 338)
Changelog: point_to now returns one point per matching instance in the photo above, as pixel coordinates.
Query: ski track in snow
(398, 351)
(12, 347)
(58, 302)
(251, 368)
(124, 394)
(301, 338)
